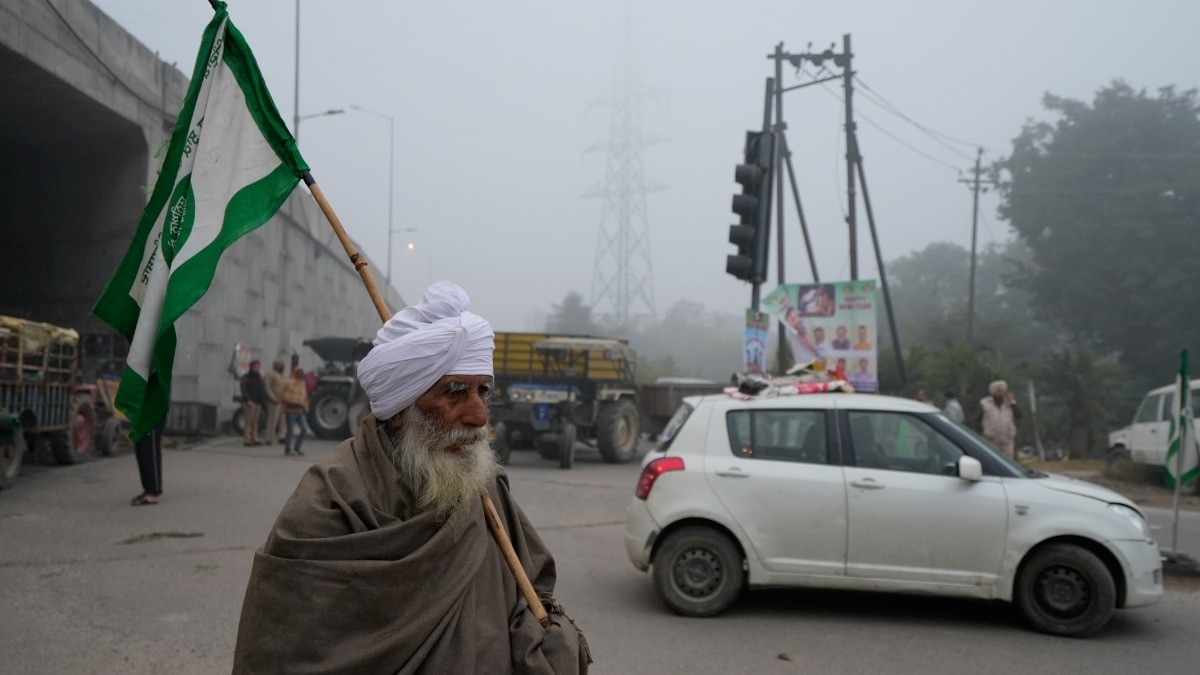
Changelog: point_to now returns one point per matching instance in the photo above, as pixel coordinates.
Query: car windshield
(986, 448)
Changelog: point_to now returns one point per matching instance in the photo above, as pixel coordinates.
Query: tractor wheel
(75, 444)
(11, 454)
(500, 442)
(566, 446)
(617, 431)
(109, 438)
(329, 412)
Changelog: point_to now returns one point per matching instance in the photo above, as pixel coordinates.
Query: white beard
(445, 468)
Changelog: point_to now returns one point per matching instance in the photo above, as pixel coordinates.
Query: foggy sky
(495, 107)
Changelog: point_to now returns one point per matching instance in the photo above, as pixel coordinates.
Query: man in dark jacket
(254, 400)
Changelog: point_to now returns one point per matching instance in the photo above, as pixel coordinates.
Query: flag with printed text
(230, 165)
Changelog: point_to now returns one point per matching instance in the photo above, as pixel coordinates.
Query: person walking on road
(294, 396)
(998, 415)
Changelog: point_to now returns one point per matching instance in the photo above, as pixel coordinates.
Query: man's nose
(476, 413)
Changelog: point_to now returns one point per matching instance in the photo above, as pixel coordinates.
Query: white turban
(996, 386)
(421, 344)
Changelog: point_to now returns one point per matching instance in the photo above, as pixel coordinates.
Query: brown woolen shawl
(353, 580)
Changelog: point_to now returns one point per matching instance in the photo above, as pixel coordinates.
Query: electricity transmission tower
(623, 275)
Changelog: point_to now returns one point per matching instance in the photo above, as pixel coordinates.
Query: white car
(1145, 440)
(867, 492)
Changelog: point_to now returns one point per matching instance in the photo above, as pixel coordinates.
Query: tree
(690, 341)
(1079, 388)
(930, 294)
(572, 317)
(1107, 200)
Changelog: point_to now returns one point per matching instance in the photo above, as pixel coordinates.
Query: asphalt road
(89, 584)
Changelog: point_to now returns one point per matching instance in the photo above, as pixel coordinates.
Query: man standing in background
(997, 421)
(254, 398)
(275, 381)
(953, 409)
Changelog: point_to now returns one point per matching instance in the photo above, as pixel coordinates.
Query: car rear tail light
(655, 469)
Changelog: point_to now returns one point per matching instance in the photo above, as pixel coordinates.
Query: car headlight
(1134, 518)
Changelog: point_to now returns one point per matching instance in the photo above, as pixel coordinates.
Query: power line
(935, 135)
(892, 136)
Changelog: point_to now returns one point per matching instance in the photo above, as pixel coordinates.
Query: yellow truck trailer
(43, 408)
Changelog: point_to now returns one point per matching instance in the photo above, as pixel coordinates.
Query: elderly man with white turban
(382, 561)
(997, 420)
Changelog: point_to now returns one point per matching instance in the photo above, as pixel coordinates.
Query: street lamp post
(331, 111)
(391, 178)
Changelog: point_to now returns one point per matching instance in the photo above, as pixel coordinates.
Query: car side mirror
(969, 468)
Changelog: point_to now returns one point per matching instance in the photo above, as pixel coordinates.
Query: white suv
(868, 492)
(1145, 441)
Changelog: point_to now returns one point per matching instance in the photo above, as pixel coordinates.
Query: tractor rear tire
(76, 443)
(329, 413)
(617, 430)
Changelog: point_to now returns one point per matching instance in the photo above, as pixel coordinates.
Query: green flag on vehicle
(1183, 464)
(230, 165)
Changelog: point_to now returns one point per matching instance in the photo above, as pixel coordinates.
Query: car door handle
(733, 473)
(867, 484)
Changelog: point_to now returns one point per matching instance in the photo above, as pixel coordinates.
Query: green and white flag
(1183, 462)
(230, 165)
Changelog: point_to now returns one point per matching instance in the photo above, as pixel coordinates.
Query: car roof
(818, 401)
(1171, 387)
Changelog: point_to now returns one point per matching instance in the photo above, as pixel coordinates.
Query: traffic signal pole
(752, 234)
(764, 220)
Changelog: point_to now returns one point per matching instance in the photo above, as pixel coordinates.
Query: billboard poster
(833, 323)
(754, 343)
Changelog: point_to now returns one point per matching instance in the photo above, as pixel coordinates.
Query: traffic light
(753, 206)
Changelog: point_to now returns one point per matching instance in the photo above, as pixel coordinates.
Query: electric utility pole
(976, 184)
(855, 174)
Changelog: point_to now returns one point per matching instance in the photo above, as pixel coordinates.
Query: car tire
(1066, 590)
(566, 446)
(698, 572)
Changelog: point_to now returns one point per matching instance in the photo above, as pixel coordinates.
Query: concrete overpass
(85, 111)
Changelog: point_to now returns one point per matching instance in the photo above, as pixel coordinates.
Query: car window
(1149, 410)
(1168, 408)
(901, 442)
(673, 425)
(779, 435)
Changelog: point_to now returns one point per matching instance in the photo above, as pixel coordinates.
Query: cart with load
(44, 412)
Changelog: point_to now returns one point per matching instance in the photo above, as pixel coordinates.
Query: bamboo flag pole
(497, 528)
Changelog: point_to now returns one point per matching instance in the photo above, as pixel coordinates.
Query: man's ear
(396, 421)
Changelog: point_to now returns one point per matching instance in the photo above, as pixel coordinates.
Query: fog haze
(495, 108)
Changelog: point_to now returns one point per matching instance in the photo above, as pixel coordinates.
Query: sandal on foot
(143, 500)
